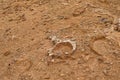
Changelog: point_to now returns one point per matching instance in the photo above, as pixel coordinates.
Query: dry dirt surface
(59, 39)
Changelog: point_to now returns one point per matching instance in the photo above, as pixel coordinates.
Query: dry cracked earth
(26, 28)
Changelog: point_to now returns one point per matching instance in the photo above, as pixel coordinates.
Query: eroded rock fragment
(61, 47)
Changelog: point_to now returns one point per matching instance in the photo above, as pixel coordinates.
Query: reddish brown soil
(25, 27)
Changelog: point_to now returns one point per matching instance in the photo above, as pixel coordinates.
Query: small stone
(117, 28)
(47, 77)
(66, 53)
(78, 78)
(52, 60)
(110, 43)
(42, 60)
(82, 50)
(105, 72)
(95, 31)
(7, 53)
(65, 4)
(62, 75)
(81, 61)
(78, 11)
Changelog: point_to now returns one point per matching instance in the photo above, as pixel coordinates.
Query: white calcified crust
(58, 41)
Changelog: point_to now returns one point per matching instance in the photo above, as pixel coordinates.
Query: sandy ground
(29, 29)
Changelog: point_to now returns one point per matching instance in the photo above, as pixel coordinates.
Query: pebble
(78, 78)
(61, 75)
(82, 50)
(117, 28)
(65, 4)
(105, 72)
(47, 77)
(66, 53)
(78, 11)
(53, 60)
(7, 53)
